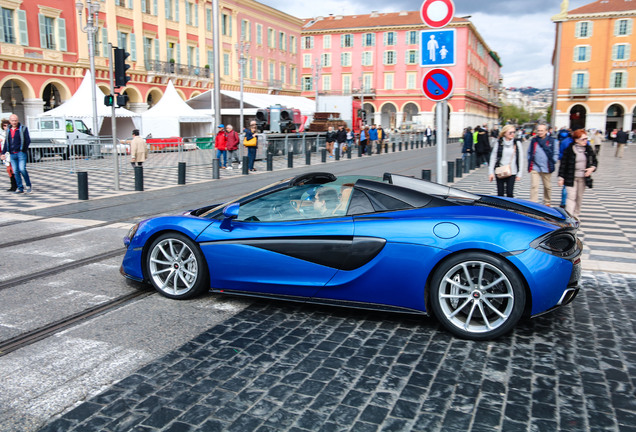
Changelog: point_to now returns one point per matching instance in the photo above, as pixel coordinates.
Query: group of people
(574, 153)
(373, 137)
(15, 141)
(226, 143)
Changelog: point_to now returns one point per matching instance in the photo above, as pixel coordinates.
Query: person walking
(330, 138)
(138, 150)
(507, 154)
(220, 143)
(597, 141)
(364, 138)
(7, 160)
(341, 139)
(231, 146)
(577, 165)
(16, 143)
(482, 148)
(621, 142)
(350, 138)
(543, 154)
(251, 143)
(373, 138)
(467, 148)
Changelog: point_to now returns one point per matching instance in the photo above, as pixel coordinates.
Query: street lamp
(90, 29)
(362, 112)
(317, 70)
(241, 49)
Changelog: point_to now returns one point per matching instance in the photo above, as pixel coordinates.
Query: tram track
(33, 336)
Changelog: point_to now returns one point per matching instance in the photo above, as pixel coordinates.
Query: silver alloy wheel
(476, 296)
(173, 266)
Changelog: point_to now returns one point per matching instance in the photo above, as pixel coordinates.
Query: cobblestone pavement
(282, 367)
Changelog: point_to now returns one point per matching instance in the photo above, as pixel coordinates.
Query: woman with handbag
(506, 164)
(250, 142)
(575, 172)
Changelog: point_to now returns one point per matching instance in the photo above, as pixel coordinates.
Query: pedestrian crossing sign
(437, 48)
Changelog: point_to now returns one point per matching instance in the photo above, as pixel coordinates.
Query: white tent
(80, 106)
(171, 117)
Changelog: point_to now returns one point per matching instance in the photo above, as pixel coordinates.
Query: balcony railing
(169, 68)
(579, 91)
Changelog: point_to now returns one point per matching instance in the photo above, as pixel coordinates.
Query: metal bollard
(215, 169)
(386, 147)
(459, 169)
(359, 150)
(246, 167)
(451, 171)
(337, 153)
(467, 164)
(323, 155)
(308, 157)
(400, 146)
(181, 177)
(82, 185)
(426, 174)
(139, 178)
(348, 152)
(290, 159)
(270, 161)
(393, 146)
(473, 160)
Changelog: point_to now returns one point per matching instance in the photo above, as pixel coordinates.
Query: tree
(514, 114)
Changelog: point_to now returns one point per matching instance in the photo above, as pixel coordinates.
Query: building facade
(376, 58)
(594, 66)
(44, 52)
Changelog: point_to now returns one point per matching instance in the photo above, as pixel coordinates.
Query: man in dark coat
(482, 148)
(621, 142)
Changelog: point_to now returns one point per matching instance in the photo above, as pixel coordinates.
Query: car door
(275, 248)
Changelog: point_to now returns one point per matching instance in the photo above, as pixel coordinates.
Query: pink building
(380, 54)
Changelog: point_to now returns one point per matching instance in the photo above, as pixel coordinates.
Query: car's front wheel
(176, 266)
(477, 296)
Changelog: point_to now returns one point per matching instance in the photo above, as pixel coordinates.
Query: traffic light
(109, 99)
(120, 55)
(122, 100)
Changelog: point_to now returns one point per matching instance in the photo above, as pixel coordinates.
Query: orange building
(594, 66)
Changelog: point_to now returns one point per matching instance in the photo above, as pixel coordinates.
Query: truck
(60, 136)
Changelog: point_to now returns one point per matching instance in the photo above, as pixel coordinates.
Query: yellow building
(595, 67)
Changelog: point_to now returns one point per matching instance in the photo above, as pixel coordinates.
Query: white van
(66, 137)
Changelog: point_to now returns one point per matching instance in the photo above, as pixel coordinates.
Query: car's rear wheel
(477, 296)
(176, 266)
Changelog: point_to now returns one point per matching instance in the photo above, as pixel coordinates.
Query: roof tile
(604, 6)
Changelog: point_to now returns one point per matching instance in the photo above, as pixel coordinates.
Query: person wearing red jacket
(232, 146)
(220, 143)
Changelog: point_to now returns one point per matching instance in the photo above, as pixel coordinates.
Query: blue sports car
(476, 263)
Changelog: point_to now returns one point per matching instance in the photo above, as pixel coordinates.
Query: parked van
(65, 137)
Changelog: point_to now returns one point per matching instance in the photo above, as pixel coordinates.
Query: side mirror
(231, 211)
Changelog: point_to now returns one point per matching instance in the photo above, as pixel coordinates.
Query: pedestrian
(565, 139)
(467, 148)
(330, 138)
(578, 163)
(621, 142)
(543, 154)
(506, 161)
(341, 139)
(429, 135)
(482, 147)
(364, 139)
(16, 143)
(251, 143)
(138, 149)
(373, 138)
(231, 146)
(597, 141)
(350, 138)
(7, 160)
(382, 136)
(220, 143)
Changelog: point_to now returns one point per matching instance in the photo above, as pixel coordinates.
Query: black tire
(484, 308)
(176, 267)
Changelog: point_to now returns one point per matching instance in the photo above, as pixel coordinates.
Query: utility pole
(317, 70)
(241, 49)
(363, 112)
(217, 63)
(90, 29)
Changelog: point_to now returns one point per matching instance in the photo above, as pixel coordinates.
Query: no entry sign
(437, 84)
(437, 13)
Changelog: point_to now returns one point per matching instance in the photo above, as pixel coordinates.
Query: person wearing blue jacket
(17, 144)
(467, 148)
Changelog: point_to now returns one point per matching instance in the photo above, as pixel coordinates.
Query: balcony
(579, 92)
(163, 68)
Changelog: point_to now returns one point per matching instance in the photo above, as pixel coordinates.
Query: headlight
(562, 243)
(131, 233)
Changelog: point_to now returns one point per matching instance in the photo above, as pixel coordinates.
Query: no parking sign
(437, 84)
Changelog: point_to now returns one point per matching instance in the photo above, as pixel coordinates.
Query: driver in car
(325, 202)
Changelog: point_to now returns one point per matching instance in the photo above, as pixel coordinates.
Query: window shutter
(590, 28)
(588, 53)
(385, 36)
(61, 30)
(155, 7)
(576, 54)
(133, 47)
(629, 26)
(586, 80)
(614, 51)
(178, 59)
(22, 25)
(167, 5)
(187, 11)
(104, 42)
(617, 27)
(196, 15)
(130, 4)
(42, 31)
(197, 53)
(176, 10)
(627, 50)
(143, 6)
(577, 31)
(157, 49)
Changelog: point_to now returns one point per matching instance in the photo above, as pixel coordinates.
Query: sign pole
(440, 142)
(113, 117)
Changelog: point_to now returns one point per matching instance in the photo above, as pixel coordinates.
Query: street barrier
(82, 185)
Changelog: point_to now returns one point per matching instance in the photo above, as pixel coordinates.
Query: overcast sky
(520, 31)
